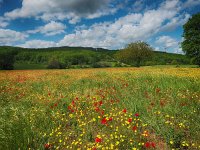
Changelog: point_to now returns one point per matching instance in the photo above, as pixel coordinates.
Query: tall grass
(127, 108)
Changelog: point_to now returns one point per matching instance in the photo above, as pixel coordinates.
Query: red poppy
(183, 104)
(97, 109)
(147, 145)
(130, 120)
(152, 104)
(104, 121)
(55, 104)
(102, 112)
(134, 128)
(162, 103)
(69, 108)
(98, 140)
(157, 90)
(110, 119)
(124, 110)
(153, 144)
(100, 103)
(146, 94)
(73, 103)
(137, 115)
(112, 101)
(47, 146)
(95, 104)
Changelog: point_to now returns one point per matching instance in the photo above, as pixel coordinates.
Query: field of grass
(115, 108)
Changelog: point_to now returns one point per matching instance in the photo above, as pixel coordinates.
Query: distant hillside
(79, 57)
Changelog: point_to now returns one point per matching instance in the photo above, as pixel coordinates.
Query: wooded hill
(76, 57)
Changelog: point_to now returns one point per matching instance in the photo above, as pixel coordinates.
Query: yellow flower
(117, 143)
(111, 146)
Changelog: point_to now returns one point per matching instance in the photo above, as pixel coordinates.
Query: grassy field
(116, 108)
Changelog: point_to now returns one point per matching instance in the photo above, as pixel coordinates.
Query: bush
(174, 62)
(55, 64)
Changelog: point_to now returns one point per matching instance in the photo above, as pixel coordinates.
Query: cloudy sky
(110, 24)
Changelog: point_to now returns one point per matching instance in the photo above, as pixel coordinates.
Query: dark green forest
(76, 57)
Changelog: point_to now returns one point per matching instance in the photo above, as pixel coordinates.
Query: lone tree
(135, 53)
(191, 43)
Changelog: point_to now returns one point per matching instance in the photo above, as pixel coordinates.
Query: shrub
(55, 64)
(174, 62)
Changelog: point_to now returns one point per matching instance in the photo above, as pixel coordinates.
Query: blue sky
(110, 24)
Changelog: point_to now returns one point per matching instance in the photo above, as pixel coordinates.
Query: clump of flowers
(98, 123)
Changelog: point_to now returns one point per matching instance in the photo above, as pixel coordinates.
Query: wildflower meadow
(100, 109)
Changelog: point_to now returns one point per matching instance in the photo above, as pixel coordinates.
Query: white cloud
(130, 28)
(176, 22)
(138, 5)
(112, 35)
(171, 4)
(50, 29)
(8, 37)
(38, 44)
(3, 22)
(166, 41)
(73, 10)
(191, 3)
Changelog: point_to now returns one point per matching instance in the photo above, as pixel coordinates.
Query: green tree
(191, 43)
(55, 64)
(135, 53)
(7, 59)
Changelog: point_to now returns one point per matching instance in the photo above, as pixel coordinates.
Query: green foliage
(163, 58)
(191, 35)
(77, 57)
(174, 62)
(7, 59)
(55, 64)
(135, 53)
(102, 64)
(27, 66)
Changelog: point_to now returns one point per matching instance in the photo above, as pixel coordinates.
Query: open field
(115, 108)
